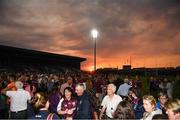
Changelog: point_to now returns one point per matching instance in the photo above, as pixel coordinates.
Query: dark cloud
(138, 27)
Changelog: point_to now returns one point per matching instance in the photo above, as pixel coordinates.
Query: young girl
(67, 104)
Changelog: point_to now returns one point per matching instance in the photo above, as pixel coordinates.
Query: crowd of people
(79, 95)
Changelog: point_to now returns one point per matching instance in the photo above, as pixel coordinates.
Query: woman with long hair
(54, 97)
(41, 105)
(137, 103)
(149, 104)
(67, 104)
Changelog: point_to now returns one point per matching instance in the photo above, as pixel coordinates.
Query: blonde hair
(39, 101)
(150, 98)
(173, 105)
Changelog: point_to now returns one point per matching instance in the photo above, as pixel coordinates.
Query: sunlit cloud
(145, 30)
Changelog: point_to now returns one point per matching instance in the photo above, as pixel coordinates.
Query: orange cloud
(146, 31)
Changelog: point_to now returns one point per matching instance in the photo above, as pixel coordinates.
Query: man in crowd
(124, 88)
(110, 102)
(69, 83)
(84, 108)
(18, 101)
(162, 99)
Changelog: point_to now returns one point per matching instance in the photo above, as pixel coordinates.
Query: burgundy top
(68, 104)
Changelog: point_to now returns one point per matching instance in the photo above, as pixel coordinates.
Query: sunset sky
(148, 31)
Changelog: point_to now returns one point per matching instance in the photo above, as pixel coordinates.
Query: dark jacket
(84, 108)
(43, 114)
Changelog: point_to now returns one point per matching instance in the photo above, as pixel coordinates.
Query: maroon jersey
(68, 104)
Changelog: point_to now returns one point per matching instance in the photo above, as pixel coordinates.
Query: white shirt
(111, 104)
(150, 115)
(18, 99)
(123, 89)
(60, 104)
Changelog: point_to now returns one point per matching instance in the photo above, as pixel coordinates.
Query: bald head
(18, 84)
(111, 88)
